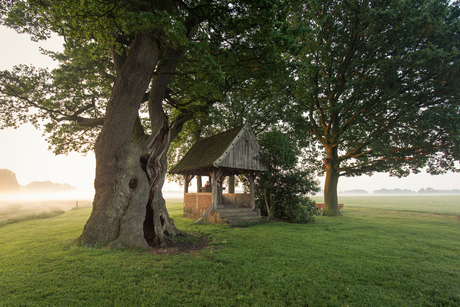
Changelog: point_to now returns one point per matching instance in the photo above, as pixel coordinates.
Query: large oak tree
(120, 56)
(377, 86)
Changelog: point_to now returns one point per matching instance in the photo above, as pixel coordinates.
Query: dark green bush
(282, 191)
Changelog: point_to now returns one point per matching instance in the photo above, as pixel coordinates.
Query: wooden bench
(322, 206)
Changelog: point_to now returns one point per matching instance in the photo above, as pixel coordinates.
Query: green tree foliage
(376, 86)
(250, 91)
(260, 109)
(122, 58)
(282, 191)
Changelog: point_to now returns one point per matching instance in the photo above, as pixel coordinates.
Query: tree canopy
(127, 64)
(229, 42)
(376, 86)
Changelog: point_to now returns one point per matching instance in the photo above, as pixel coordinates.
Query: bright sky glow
(24, 151)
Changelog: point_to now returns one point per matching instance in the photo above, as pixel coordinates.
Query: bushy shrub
(282, 191)
(300, 210)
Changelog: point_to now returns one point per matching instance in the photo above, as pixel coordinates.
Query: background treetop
(230, 45)
(376, 86)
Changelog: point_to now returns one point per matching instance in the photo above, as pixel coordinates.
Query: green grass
(434, 204)
(15, 213)
(368, 257)
(31, 216)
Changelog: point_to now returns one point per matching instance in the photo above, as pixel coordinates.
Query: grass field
(372, 256)
(435, 204)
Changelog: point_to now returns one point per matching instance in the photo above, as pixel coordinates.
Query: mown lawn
(436, 204)
(368, 257)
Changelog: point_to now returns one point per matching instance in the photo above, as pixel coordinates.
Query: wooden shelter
(233, 152)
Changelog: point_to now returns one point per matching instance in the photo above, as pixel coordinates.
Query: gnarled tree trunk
(157, 222)
(122, 188)
(125, 190)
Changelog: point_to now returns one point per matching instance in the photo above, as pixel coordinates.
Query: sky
(25, 152)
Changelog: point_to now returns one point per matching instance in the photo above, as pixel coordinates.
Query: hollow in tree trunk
(157, 222)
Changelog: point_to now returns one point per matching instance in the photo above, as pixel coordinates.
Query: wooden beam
(215, 173)
(187, 178)
(199, 184)
(221, 180)
(231, 184)
(185, 185)
(250, 177)
(201, 219)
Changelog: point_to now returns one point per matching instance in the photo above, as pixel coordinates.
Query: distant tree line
(402, 192)
(421, 191)
(433, 191)
(47, 186)
(9, 184)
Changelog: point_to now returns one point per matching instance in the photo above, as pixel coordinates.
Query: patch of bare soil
(183, 246)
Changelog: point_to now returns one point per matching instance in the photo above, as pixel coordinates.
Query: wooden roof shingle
(228, 149)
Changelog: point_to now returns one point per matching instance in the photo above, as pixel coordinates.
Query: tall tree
(377, 86)
(118, 55)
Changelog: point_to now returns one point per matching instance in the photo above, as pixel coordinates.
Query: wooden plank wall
(243, 153)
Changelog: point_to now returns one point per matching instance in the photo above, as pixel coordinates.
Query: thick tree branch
(385, 161)
(176, 73)
(90, 122)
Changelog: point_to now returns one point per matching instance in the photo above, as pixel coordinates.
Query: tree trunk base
(119, 204)
(329, 212)
(158, 226)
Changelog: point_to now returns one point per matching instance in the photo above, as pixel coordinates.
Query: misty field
(17, 211)
(372, 256)
(434, 204)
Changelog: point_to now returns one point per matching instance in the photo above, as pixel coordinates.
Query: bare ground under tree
(186, 245)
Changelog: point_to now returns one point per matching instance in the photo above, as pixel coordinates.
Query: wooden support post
(221, 181)
(231, 184)
(221, 190)
(215, 196)
(215, 174)
(199, 184)
(185, 184)
(185, 187)
(187, 178)
(251, 177)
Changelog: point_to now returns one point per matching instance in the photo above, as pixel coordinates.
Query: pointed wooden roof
(235, 150)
